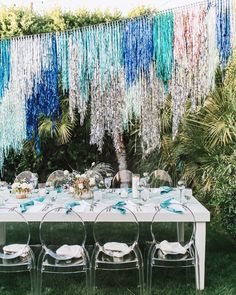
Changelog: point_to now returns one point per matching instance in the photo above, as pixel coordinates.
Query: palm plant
(63, 129)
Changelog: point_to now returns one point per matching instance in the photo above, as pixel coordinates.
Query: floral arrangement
(82, 184)
(21, 189)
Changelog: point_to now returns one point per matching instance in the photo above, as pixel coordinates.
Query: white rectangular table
(143, 213)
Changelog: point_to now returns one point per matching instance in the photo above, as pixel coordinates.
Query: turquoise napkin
(167, 205)
(70, 205)
(120, 207)
(24, 206)
(165, 189)
(59, 190)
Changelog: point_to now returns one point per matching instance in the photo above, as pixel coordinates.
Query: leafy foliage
(224, 193)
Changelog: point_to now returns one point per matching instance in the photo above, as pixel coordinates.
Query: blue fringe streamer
(44, 99)
(5, 46)
(137, 48)
(223, 28)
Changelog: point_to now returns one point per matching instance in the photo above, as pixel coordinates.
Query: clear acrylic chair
(27, 176)
(126, 253)
(122, 179)
(62, 227)
(164, 233)
(160, 177)
(15, 252)
(56, 175)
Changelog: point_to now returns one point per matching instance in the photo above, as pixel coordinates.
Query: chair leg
(93, 275)
(93, 272)
(32, 271)
(88, 280)
(149, 278)
(39, 273)
(140, 268)
(39, 281)
(87, 272)
(151, 253)
(33, 280)
(197, 276)
(141, 279)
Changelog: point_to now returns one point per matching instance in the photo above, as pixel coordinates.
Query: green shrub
(224, 193)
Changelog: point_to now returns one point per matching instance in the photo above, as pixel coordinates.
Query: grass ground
(220, 274)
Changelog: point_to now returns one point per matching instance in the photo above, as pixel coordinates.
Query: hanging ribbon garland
(123, 69)
(163, 30)
(44, 100)
(107, 86)
(4, 66)
(224, 29)
(191, 65)
(137, 58)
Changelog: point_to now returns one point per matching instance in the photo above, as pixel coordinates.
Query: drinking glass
(98, 194)
(107, 182)
(142, 183)
(188, 196)
(181, 187)
(34, 180)
(145, 194)
(124, 192)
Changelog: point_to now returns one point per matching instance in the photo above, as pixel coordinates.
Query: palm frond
(99, 171)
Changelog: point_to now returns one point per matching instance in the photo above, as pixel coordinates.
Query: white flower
(77, 176)
(66, 172)
(30, 186)
(71, 189)
(83, 175)
(93, 164)
(92, 181)
(81, 186)
(24, 185)
(15, 185)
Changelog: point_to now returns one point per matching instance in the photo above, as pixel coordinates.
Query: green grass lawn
(220, 274)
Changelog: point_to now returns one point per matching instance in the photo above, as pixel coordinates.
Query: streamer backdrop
(124, 69)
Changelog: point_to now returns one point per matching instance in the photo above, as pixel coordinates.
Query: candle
(135, 185)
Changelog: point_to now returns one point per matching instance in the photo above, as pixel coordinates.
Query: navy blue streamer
(223, 27)
(44, 99)
(137, 48)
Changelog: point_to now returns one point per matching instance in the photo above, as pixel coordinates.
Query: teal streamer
(5, 46)
(163, 33)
